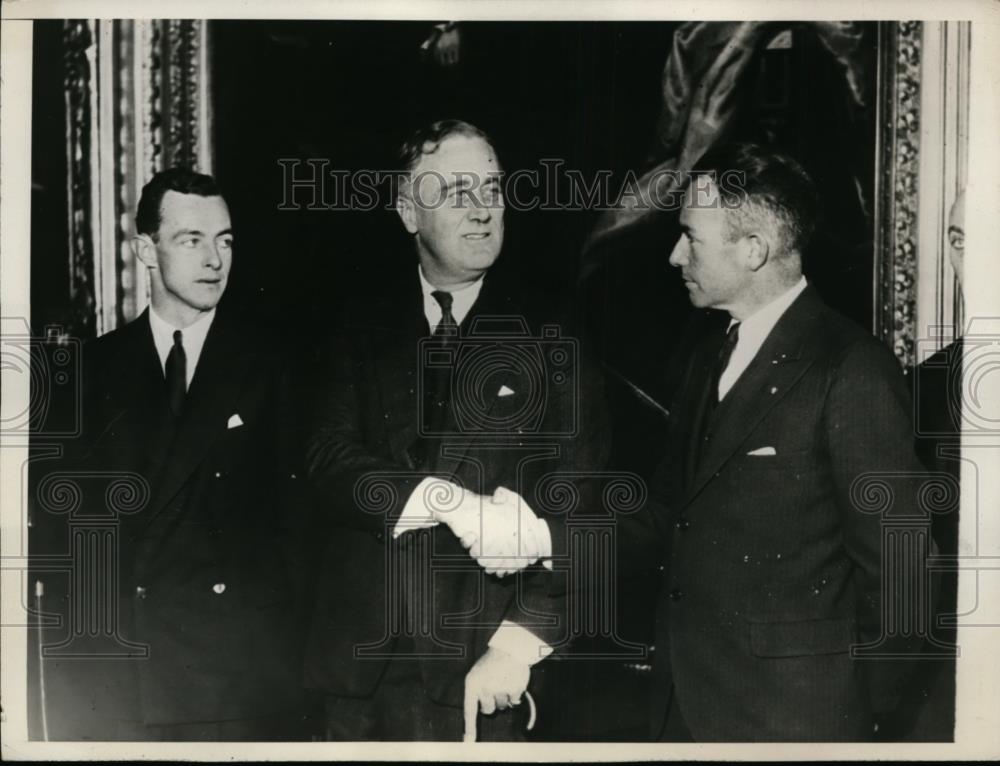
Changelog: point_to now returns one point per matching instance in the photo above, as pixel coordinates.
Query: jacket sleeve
(356, 481)
(875, 473)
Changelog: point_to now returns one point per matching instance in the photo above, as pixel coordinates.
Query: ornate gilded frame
(921, 158)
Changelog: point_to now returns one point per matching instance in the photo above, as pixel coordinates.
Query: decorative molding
(78, 44)
(896, 181)
(182, 57)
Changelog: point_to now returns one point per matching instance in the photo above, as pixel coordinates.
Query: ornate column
(137, 100)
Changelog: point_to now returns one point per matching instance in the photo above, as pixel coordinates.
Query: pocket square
(504, 391)
(763, 452)
(235, 421)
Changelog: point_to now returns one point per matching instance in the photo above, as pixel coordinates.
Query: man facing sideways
(433, 390)
(772, 567)
(187, 403)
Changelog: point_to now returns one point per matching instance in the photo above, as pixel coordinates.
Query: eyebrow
(465, 183)
(197, 233)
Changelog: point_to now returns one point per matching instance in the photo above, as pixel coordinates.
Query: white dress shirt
(193, 339)
(753, 332)
(461, 304)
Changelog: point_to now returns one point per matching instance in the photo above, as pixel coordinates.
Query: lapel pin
(774, 389)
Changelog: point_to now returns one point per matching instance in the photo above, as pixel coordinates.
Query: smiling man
(189, 402)
(416, 629)
(772, 566)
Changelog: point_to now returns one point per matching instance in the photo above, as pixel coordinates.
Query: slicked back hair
(181, 180)
(763, 189)
(427, 139)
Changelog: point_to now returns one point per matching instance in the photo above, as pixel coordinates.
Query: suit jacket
(367, 455)
(771, 571)
(202, 518)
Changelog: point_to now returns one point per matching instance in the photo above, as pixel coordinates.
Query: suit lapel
(779, 364)
(134, 387)
(698, 403)
(225, 361)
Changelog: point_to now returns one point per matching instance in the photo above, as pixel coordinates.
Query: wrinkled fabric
(702, 81)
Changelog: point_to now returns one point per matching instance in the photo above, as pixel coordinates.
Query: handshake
(500, 532)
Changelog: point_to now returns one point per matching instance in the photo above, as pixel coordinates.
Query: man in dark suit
(451, 398)
(184, 410)
(772, 565)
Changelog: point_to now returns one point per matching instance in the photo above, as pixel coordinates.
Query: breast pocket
(782, 474)
(775, 459)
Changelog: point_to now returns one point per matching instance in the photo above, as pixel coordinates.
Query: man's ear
(758, 250)
(407, 212)
(145, 250)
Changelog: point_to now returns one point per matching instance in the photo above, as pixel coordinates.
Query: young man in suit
(448, 403)
(186, 406)
(772, 566)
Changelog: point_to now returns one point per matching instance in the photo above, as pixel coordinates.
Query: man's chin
(698, 300)
(483, 254)
(206, 303)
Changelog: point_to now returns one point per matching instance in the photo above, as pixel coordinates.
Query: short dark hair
(178, 179)
(752, 181)
(427, 139)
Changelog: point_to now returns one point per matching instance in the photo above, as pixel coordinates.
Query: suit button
(140, 591)
(683, 523)
(676, 595)
(218, 474)
(219, 587)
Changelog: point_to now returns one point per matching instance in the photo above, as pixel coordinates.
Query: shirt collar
(462, 300)
(194, 338)
(761, 322)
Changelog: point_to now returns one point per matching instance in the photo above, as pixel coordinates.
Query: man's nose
(479, 211)
(678, 257)
(213, 259)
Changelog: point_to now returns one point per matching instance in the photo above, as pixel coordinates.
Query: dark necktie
(437, 383)
(176, 373)
(446, 327)
(722, 361)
